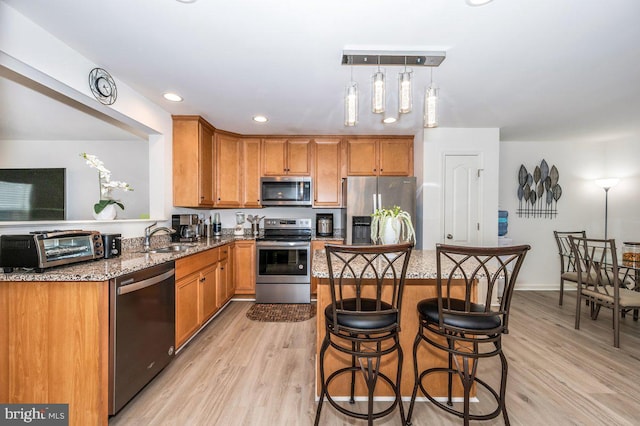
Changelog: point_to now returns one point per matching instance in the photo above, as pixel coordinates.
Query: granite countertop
(422, 265)
(337, 235)
(131, 260)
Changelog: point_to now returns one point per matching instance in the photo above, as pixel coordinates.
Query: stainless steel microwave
(286, 191)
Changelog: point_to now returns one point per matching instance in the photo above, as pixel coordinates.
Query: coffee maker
(186, 227)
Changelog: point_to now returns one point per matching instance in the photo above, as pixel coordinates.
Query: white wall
(33, 52)
(82, 189)
(582, 205)
(436, 144)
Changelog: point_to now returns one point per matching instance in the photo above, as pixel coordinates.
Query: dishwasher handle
(128, 288)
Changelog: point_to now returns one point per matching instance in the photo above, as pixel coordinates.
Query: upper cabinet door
(252, 165)
(299, 157)
(286, 157)
(362, 157)
(327, 176)
(229, 178)
(380, 157)
(395, 157)
(274, 157)
(193, 162)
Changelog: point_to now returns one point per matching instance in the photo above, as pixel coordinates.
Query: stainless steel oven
(283, 256)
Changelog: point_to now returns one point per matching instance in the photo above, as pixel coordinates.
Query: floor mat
(281, 312)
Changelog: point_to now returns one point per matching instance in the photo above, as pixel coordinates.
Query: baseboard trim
(542, 287)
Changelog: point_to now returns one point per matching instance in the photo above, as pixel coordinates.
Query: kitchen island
(54, 330)
(420, 284)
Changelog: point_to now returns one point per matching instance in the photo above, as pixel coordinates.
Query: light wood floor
(240, 372)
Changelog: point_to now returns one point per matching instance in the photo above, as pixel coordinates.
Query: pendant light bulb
(351, 105)
(404, 92)
(431, 107)
(378, 92)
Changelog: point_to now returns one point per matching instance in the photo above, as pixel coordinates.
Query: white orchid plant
(379, 224)
(106, 184)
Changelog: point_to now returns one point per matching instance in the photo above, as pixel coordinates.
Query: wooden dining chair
(567, 263)
(600, 283)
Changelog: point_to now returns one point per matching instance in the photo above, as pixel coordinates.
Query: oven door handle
(279, 244)
(145, 283)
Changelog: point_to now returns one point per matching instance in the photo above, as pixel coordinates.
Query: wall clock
(102, 86)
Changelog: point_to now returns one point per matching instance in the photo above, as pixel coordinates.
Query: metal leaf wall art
(538, 193)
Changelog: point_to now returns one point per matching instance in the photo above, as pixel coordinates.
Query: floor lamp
(606, 184)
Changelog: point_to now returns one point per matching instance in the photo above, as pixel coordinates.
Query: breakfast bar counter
(420, 284)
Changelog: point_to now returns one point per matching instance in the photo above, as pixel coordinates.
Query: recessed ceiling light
(260, 119)
(186, 1)
(478, 2)
(389, 120)
(172, 97)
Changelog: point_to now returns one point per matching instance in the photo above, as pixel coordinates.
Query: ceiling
(539, 70)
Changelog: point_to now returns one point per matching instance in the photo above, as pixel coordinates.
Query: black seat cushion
(368, 321)
(428, 310)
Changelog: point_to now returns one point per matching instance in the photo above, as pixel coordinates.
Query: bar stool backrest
(367, 282)
(461, 269)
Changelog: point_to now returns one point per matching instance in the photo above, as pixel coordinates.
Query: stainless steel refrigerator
(362, 195)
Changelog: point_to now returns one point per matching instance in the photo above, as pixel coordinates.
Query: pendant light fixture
(391, 58)
(431, 105)
(377, 95)
(404, 91)
(351, 103)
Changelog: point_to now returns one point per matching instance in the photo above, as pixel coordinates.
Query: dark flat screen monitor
(32, 194)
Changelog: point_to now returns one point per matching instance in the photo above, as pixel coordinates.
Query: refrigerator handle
(380, 200)
(374, 203)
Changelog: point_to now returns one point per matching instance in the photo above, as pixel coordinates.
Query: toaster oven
(45, 249)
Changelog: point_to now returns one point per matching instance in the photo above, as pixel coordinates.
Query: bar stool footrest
(453, 411)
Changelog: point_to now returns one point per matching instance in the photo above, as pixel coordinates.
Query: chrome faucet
(148, 232)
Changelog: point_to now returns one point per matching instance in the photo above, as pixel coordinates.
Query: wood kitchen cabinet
(229, 170)
(225, 287)
(193, 162)
(196, 292)
(380, 157)
(244, 266)
(187, 320)
(208, 297)
(327, 172)
(251, 169)
(286, 157)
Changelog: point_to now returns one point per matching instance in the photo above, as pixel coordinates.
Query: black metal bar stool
(467, 320)
(363, 320)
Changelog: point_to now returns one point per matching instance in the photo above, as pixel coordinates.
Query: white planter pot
(391, 234)
(108, 213)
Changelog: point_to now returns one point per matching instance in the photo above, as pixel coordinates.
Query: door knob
(449, 237)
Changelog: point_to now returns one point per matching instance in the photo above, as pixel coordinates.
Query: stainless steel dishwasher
(141, 330)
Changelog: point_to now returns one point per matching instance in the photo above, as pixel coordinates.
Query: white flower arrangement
(379, 223)
(106, 184)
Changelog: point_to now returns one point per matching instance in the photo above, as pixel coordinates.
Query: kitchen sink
(173, 248)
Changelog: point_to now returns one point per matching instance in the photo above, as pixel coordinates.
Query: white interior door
(462, 197)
